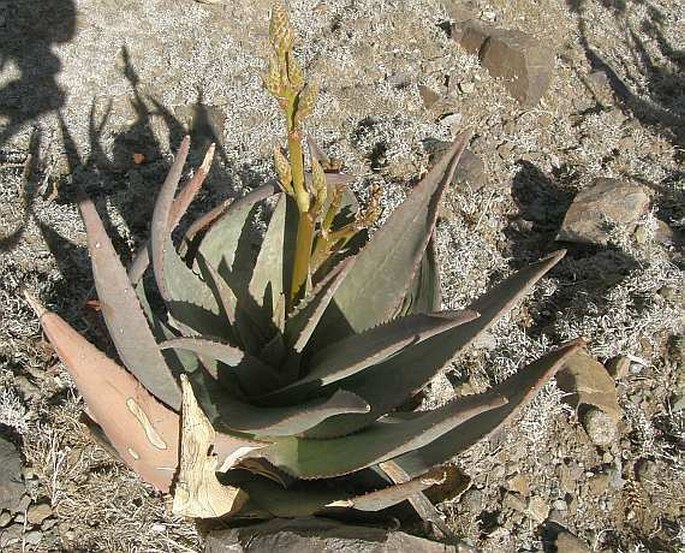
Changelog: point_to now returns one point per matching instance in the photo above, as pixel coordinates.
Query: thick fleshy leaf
(252, 374)
(385, 267)
(123, 314)
(392, 495)
(226, 411)
(272, 270)
(144, 432)
(304, 320)
(383, 440)
(518, 390)
(353, 354)
(424, 292)
(180, 205)
(387, 385)
(189, 300)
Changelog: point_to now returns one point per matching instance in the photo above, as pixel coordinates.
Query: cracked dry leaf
(198, 493)
(588, 383)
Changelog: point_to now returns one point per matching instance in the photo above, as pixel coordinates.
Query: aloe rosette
(279, 375)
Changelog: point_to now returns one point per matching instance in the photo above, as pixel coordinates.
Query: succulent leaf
(235, 415)
(123, 314)
(304, 320)
(392, 495)
(424, 293)
(252, 375)
(144, 432)
(375, 288)
(353, 354)
(518, 390)
(383, 440)
(272, 269)
(387, 385)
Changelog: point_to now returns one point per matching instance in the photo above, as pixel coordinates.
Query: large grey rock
(11, 482)
(523, 63)
(604, 202)
(315, 535)
(568, 543)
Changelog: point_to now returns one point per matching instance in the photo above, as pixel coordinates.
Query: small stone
(519, 483)
(568, 543)
(48, 523)
(600, 427)
(12, 486)
(428, 96)
(472, 34)
(598, 79)
(33, 537)
(599, 483)
(604, 200)
(618, 367)
(473, 500)
(524, 64)
(665, 235)
(646, 470)
(559, 505)
(470, 171)
(515, 502)
(19, 518)
(39, 512)
(537, 509)
(5, 519)
(467, 87)
(11, 535)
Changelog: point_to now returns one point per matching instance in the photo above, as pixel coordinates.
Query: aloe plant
(268, 374)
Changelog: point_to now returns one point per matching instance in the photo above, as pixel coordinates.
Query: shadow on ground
(664, 105)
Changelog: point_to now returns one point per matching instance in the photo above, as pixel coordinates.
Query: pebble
(600, 427)
(646, 470)
(11, 535)
(473, 500)
(618, 367)
(537, 508)
(568, 543)
(39, 512)
(33, 537)
(12, 486)
(5, 519)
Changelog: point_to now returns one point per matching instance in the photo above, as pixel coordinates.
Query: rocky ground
(98, 92)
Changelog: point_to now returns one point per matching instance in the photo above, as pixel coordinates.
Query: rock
(39, 512)
(33, 537)
(519, 483)
(591, 390)
(11, 535)
(646, 471)
(568, 543)
(472, 35)
(515, 502)
(312, 535)
(604, 200)
(5, 519)
(523, 63)
(467, 87)
(12, 486)
(470, 171)
(429, 96)
(537, 509)
(618, 367)
(473, 500)
(600, 427)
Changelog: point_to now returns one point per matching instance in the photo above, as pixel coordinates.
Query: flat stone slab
(11, 482)
(317, 535)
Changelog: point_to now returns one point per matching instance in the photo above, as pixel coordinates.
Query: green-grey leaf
(253, 376)
(518, 390)
(353, 354)
(424, 293)
(123, 314)
(385, 267)
(303, 321)
(383, 440)
(387, 385)
(224, 410)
